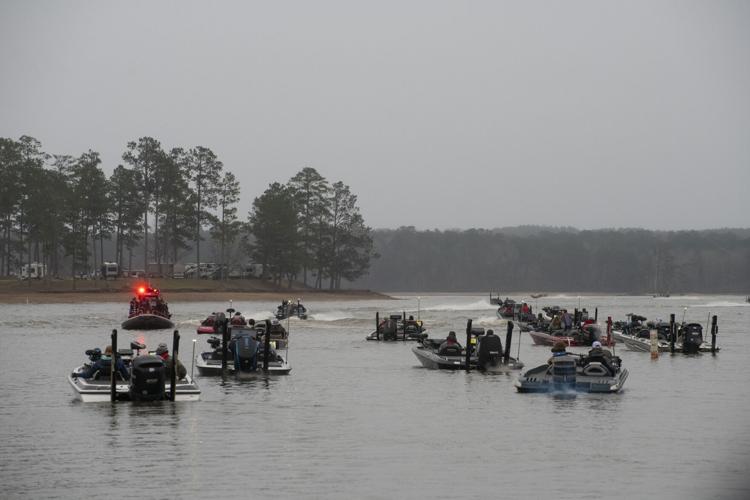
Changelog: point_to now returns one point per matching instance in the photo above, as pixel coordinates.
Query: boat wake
(724, 303)
(474, 306)
(330, 316)
(490, 320)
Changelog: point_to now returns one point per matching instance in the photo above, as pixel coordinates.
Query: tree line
(561, 259)
(59, 210)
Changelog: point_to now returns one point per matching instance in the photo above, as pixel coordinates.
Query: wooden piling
(654, 344)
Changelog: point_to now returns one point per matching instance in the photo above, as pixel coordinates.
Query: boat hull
(644, 345)
(544, 338)
(147, 322)
(212, 367)
(205, 330)
(539, 379)
(98, 391)
(414, 337)
(434, 361)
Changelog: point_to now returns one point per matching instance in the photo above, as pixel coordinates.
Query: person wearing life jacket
(238, 319)
(558, 351)
(597, 351)
(163, 352)
(450, 343)
(103, 365)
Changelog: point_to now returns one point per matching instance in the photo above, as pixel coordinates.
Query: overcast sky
(437, 114)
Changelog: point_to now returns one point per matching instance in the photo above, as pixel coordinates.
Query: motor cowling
(692, 338)
(147, 379)
(245, 353)
(490, 351)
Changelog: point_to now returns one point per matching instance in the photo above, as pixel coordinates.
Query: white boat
(245, 347)
(147, 379)
(98, 391)
(641, 340)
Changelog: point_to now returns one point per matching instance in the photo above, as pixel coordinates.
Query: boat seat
(104, 374)
(452, 350)
(596, 369)
(598, 365)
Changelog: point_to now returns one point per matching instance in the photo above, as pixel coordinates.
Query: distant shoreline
(62, 292)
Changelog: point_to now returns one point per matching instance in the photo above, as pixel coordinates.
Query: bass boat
(246, 354)
(575, 373)
(148, 378)
(486, 354)
(396, 327)
(637, 337)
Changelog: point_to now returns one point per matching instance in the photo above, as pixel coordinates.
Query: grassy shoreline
(63, 291)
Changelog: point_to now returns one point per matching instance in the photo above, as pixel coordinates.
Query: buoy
(654, 345)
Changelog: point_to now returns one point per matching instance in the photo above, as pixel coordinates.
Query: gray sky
(437, 114)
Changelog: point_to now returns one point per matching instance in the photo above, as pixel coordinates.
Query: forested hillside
(561, 259)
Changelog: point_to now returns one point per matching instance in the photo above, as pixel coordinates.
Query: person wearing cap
(558, 351)
(163, 352)
(103, 365)
(450, 342)
(597, 351)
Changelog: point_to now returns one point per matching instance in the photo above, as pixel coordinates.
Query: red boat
(579, 337)
(207, 325)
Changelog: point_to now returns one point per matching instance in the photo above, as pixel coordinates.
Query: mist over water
(361, 419)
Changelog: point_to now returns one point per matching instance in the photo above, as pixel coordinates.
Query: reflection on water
(363, 419)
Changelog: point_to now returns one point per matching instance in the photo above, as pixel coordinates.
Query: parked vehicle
(33, 271)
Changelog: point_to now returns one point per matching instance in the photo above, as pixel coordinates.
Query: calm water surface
(359, 419)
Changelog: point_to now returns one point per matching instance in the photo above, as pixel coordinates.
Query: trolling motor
(94, 354)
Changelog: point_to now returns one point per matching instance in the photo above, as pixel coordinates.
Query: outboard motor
(692, 338)
(564, 373)
(214, 342)
(147, 379)
(490, 352)
(245, 353)
(390, 329)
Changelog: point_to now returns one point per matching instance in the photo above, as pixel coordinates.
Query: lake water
(358, 419)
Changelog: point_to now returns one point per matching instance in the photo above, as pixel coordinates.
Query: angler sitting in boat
(101, 365)
(238, 319)
(163, 352)
(450, 346)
